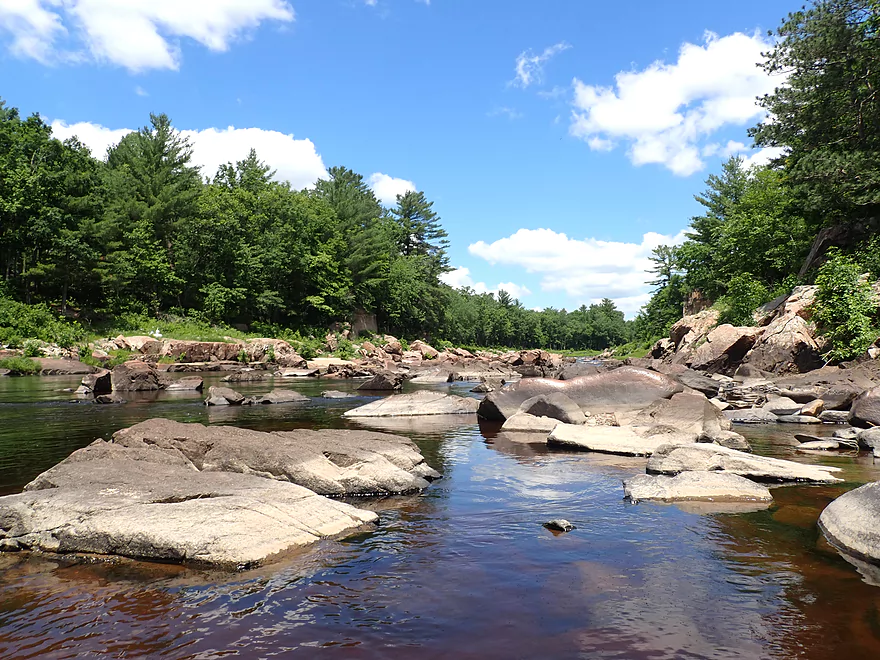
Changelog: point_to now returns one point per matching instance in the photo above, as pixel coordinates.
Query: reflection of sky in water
(464, 570)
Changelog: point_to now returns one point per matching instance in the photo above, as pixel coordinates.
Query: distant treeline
(142, 232)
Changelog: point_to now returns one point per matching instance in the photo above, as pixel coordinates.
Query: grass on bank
(20, 366)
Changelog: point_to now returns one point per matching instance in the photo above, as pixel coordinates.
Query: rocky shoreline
(678, 409)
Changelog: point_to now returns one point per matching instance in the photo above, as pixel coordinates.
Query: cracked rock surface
(163, 490)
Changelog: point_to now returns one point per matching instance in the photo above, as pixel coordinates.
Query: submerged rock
(276, 396)
(819, 445)
(672, 459)
(695, 486)
(335, 394)
(185, 384)
(559, 525)
(415, 404)
(850, 522)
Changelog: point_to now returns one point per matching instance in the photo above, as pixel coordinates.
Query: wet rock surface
(850, 522)
(695, 486)
(672, 460)
(416, 404)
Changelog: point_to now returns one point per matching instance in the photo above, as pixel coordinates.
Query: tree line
(143, 232)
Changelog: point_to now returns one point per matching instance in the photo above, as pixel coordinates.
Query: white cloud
(140, 91)
(461, 277)
(504, 111)
(665, 113)
(387, 188)
(296, 160)
(135, 34)
(530, 67)
(763, 156)
(33, 28)
(586, 270)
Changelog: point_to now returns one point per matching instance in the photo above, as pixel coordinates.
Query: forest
(142, 233)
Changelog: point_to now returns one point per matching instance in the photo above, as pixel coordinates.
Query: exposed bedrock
(623, 388)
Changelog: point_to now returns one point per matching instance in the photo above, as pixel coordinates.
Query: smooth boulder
(383, 382)
(329, 461)
(850, 522)
(695, 486)
(674, 459)
(116, 504)
(556, 406)
(99, 382)
(609, 391)
(419, 403)
(621, 440)
(526, 423)
(185, 384)
(865, 411)
(223, 396)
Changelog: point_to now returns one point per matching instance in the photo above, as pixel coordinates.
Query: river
(464, 570)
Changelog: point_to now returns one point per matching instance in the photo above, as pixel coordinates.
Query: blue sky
(560, 141)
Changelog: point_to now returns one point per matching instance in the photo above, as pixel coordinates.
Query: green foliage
(20, 365)
(844, 309)
(270, 354)
(744, 295)
(116, 357)
(18, 320)
(33, 348)
(344, 348)
(827, 113)
(242, 356)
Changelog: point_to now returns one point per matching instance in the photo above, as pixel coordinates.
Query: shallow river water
(464, 570)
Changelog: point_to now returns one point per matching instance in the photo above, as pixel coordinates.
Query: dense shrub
(844, 308)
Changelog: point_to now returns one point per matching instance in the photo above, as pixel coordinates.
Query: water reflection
(463, 570)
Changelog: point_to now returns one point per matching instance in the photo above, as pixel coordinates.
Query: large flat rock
(605, 439)
(851, 522)
(674, 459)
(121, 504)
(416, 404)
(695, 486)
(609, 391)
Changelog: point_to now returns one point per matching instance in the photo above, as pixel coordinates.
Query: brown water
(463, 571)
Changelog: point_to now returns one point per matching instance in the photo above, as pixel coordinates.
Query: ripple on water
(463, 570)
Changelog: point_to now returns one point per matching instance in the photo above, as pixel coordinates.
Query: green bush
(744, 295)
(18, 320)
(844, 309)
(33, 349)
(20, 365)
(344, 348)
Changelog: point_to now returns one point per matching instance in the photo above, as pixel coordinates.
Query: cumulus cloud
(136, 34)
(461, 278)
(666, 113)
(387, 188)
(586, 270)
(530, 67)
(295, 160)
